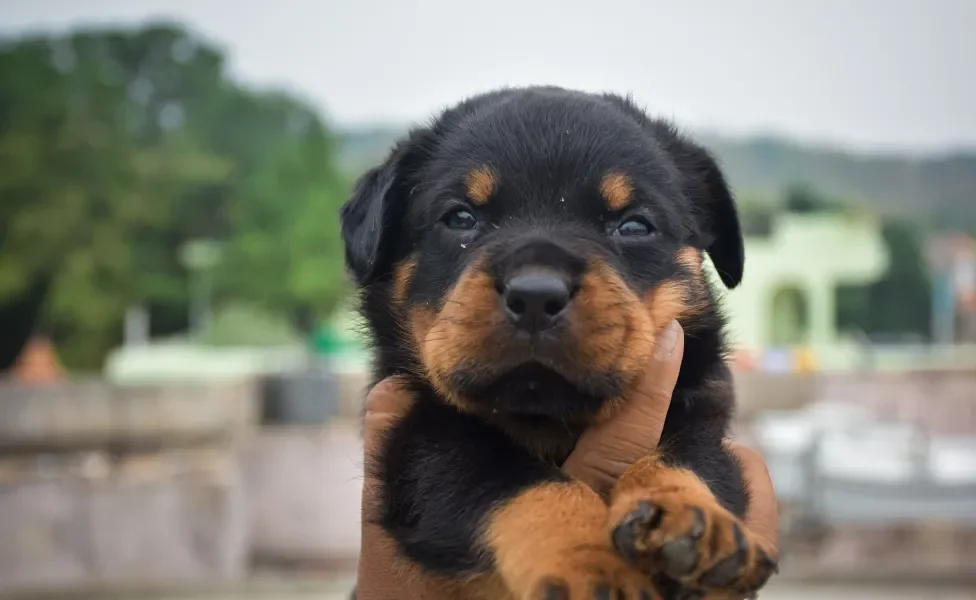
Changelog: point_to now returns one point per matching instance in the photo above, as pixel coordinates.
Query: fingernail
(667, 341)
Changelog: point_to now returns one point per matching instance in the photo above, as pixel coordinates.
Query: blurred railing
(881, 469)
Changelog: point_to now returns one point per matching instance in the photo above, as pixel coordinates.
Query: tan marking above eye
(481, 183)
(617, 190)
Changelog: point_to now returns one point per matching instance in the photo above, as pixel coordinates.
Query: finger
(606, 450)
(763, 514)
(384, 575)
(385, 403)
(381, 574)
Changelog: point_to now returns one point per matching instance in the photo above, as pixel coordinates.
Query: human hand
(602, 454)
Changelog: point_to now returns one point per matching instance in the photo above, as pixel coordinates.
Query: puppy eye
(634, 227)
(460, 219)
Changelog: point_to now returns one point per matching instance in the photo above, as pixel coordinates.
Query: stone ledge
(96, 414)
(132, 521)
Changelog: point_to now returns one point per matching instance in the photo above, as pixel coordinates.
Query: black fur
(444, 469)
(445, 474)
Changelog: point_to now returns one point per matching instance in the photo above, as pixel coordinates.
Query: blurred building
(788, 295)
(952, 259)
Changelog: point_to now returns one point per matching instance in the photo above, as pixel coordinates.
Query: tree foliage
(118, 147)
(804, 198)
(900, 303)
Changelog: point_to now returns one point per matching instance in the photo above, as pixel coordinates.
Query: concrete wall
(939, 402)
(303, 493)
(85, 521)
(756, 391)
(92, 413)
(104, 486)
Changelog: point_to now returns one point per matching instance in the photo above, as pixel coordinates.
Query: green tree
(117, 147)
(900, 302)
(804, 198)
(283, 250)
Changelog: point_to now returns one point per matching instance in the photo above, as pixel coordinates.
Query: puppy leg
(665, 520)
(465, 503)
(550, 543)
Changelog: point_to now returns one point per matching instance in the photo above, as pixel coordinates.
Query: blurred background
(180, 371)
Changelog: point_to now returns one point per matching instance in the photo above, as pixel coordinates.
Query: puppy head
(529, 245)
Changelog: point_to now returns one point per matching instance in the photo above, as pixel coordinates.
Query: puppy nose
(534, 300)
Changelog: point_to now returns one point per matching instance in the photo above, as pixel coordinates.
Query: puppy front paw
(591, 573)
(691, 540)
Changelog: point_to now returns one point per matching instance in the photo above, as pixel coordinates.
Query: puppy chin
(533, 392)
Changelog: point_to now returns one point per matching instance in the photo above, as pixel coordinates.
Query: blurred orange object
(38, 364)
(806, 360)
(743, 360)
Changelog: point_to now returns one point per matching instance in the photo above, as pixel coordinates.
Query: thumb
(381, 574)
(606, 450)
(385, 404)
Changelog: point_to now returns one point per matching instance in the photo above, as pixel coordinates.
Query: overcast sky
(866, 74)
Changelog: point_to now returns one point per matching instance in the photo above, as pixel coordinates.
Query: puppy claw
(727, 570)
(723, 574)
(555, 590)
(680, 557)
(629, 535)
(765, 569)
(593, 575)
(768, 563)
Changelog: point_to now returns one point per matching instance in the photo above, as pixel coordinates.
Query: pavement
(339, 590)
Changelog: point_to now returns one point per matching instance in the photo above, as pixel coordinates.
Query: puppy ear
(369, 217)
(721, 223)
(704, 185)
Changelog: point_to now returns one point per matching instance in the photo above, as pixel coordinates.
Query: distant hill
(936, 190)
(941, 190)
(362, 148)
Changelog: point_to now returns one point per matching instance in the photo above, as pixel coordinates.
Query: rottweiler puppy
(517, 259)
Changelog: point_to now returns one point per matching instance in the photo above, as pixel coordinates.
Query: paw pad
(700, 548)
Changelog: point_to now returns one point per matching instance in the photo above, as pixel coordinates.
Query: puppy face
(527, 248)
